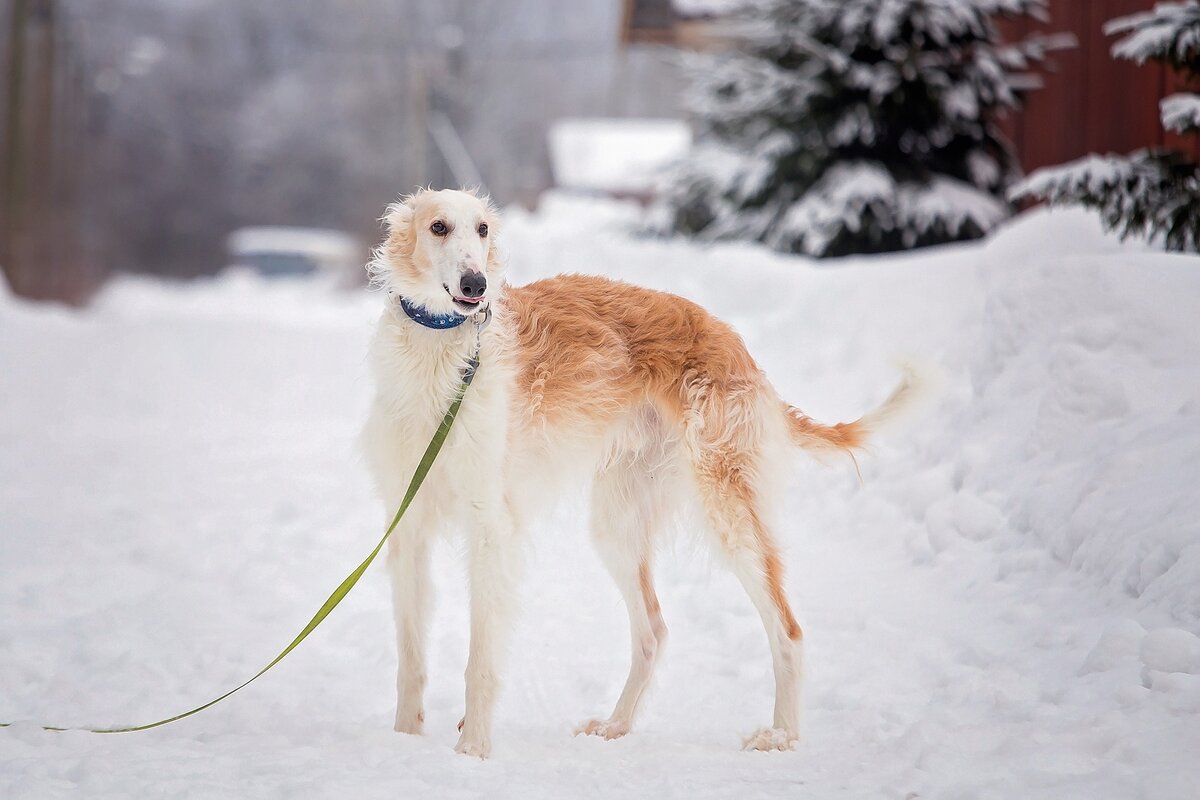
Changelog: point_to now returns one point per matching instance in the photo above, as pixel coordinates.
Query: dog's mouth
(467, 305)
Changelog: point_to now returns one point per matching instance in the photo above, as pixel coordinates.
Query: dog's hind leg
(732, 483)
(630, 503)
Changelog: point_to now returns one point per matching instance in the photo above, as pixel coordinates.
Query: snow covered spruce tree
(853, 126)
(1151, 192)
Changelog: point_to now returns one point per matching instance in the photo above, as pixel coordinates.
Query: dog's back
(591, 349)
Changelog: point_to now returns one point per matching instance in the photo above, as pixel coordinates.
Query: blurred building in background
(1092, 102)
(138, 134)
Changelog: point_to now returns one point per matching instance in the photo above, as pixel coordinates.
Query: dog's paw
(470, 746)
(607, 728)
(410, 723)
(770, 739)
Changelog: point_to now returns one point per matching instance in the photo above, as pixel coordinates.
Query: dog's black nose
(473, 284)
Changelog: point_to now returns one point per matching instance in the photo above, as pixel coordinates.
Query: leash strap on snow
(431, 452)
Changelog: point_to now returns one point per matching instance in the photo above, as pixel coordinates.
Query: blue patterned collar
(438, 322)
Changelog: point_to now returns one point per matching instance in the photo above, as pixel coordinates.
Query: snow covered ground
(1006, 608)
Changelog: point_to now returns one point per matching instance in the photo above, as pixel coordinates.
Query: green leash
(435, 445)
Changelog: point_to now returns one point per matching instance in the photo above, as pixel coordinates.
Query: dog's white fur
(563, 388)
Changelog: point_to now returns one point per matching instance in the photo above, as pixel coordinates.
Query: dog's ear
(495, 265)
(400, 239)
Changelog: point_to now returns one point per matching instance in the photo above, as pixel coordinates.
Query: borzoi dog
(647, 392)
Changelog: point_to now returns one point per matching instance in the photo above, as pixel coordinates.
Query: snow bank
(1084, 412)
(1007, 607)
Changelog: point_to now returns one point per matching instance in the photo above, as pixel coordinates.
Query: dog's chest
(415, 385)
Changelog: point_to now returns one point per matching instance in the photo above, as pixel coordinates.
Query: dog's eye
(483, 229)
(439, 228)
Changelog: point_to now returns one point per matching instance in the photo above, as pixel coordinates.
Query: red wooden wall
(1091, 102)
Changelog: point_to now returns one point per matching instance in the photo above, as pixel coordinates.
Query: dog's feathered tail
(917, 383)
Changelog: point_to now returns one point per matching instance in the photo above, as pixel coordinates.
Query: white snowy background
(1007, 607)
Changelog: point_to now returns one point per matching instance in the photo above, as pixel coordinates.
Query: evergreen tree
(853, 126)
(1151, 192)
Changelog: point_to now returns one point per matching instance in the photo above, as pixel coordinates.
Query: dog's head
(440, 251)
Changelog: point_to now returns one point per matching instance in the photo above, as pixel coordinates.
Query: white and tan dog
(646, 392)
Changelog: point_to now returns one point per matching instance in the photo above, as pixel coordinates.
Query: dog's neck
(422, 316)
(445, 329)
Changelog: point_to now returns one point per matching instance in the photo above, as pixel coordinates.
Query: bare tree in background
(39, 251)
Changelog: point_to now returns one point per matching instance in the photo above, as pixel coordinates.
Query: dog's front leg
(494, 560)
(412, 594)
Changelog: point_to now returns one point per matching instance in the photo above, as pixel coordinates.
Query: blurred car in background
(279, 251)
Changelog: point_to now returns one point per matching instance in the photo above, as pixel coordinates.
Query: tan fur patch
(590, 348)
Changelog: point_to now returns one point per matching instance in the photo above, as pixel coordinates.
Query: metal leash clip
(482, 320)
